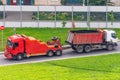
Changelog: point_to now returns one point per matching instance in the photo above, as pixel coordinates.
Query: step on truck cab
(88, 40)
(21, 46)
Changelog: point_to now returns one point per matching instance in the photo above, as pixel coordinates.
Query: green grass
(105, 67)
(43, 34)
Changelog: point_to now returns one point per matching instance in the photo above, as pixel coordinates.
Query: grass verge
(43, 34)
(105, 67)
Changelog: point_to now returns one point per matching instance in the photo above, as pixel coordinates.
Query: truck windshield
(114, 35)
(9, 43)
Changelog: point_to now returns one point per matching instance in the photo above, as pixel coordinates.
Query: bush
(96, 2)
(63, 2)
(1, 13)
(63, 23)
(1, 2)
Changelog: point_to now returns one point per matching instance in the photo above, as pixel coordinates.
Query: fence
(55, 23)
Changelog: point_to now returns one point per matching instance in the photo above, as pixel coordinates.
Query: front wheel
(110, 47)
(19, 57)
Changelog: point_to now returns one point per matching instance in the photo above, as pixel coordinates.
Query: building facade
(32, 2)
(115, 2)
(47, 2)
(18, 2)
(51, 2)
(4, 1)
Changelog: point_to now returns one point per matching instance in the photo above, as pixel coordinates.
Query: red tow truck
(21, 46)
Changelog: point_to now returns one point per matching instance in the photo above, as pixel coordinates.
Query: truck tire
(87, 48)
(79, 49)
(19, 57)
(110, 47)
(50, 53)
(58, 53)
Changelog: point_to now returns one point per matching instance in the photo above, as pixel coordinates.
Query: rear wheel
(87, 48)
(58, 53)
(79, 49)
(19, 57)
(50, 53)
(110, 47)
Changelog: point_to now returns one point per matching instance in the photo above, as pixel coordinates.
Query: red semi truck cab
(20, 46)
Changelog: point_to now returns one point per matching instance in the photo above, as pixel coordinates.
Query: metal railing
(31, 23)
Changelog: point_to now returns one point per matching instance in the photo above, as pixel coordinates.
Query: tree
(111, 15)
(1, 13)
(1, 2)
(96, 2)
(63, 23)
(91, 2)
(63, 2)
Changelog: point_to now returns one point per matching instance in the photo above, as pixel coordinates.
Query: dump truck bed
(85, 37)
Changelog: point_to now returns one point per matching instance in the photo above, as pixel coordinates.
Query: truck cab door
(15, 48)
(114, 37)
(18, 47)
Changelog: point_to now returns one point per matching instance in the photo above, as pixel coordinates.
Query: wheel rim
(80, 49)
(50, 53)
(110, 47)
(87, 49)
(19, 57)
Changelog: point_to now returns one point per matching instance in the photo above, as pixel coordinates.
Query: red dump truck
(21, 46)
(88, 40)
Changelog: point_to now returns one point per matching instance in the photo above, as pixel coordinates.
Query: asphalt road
(67, 53)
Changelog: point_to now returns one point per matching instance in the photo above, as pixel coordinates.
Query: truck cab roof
(15, 38)
(112, 31)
